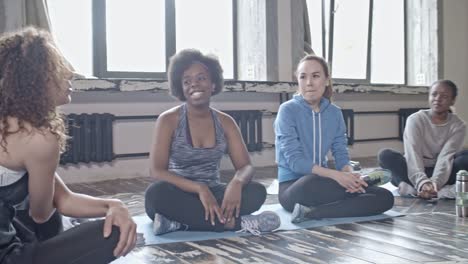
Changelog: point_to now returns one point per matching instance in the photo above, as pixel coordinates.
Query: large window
(388, 42)
(72, 28)
(135, 36)
(350, 39)
(135, 39)
(363, 40)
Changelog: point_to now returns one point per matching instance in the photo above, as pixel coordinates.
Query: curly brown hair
(30, 64)
(181, 61)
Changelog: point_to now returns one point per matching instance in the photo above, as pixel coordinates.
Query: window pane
(209, 29)
(71, 21)
(314, 7)
(327, 30)
(351, 24)
(136, 35)
(388, 47)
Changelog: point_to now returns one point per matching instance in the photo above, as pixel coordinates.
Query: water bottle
(461, 189)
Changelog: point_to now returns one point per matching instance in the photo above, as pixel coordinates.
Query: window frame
(99, 49)
(328, 50)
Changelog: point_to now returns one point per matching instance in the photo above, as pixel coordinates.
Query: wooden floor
(428, 233)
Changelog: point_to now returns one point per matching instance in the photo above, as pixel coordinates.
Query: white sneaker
(404, 189)
(447, 192)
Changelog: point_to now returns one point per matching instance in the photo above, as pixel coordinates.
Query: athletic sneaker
(256, 224)
(404, 189)
(162, 225)
(377, 177)
(301, 213)
(355, 164)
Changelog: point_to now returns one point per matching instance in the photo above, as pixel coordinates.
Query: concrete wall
(455, 51)
(135, 136)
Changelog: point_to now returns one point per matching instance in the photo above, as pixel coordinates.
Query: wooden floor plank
(190, 254)
(376, 244)
(449, 218)
(149, 255)
(409, 240)
(383, 237)
(274, 246)
(429, 233)
(350, 246)
(232, 252)
(430, 225)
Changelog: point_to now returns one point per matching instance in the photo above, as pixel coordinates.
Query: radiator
(90, 138)
(91, 135)
(250, 124)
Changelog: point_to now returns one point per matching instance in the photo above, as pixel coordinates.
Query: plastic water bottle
(461, 189)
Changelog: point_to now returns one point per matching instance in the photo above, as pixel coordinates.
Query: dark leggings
(331, 200)
(396, 163)
(82, 244)
(186, 208)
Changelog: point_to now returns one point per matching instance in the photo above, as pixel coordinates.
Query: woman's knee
(108, 244)
(286, 202)
(93, 230)
(310, 190)
(384, 199)
(157, 193)
(461, 160)
(114, 237)
(388, 155)
(255, 195)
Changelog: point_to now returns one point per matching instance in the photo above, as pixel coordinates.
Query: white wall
(455, 51)
(135, 136)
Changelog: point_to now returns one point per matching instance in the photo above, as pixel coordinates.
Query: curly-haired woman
(34, 80)
(188, 144)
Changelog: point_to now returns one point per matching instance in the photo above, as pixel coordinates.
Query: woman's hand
(232, 200)
(352, 182)
(118, 215)
(428, 191)
(212, 209)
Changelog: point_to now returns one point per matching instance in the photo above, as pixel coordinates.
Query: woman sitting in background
(432, 140)
(188, 145)
(307, 128)
(34, 80)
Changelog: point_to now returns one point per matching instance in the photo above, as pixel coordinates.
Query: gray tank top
(197, 164)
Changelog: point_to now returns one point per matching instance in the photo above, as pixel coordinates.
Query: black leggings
(396, 163)
(186, 208)
(82, 244)
(331, 200)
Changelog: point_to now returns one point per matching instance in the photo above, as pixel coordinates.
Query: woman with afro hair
(188, 143)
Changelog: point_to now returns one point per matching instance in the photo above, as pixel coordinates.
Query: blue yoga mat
(144, 226)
